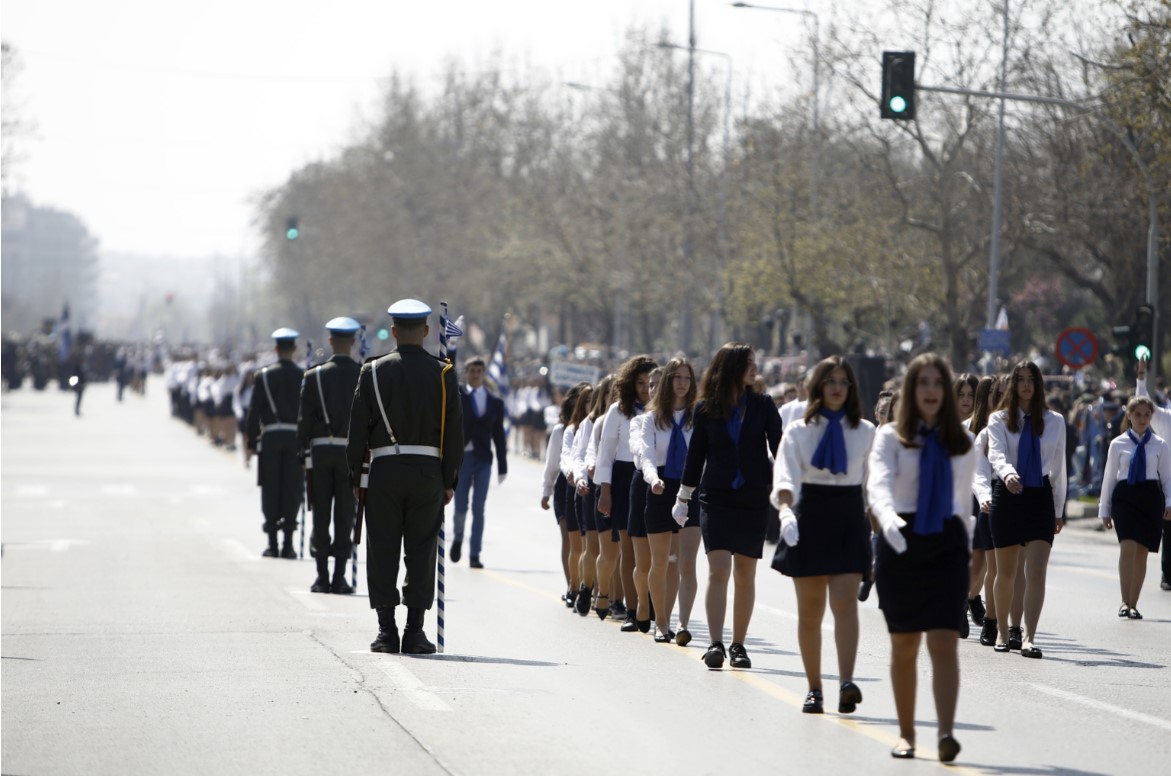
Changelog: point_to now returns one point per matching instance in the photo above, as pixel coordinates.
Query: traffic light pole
(1152, 196)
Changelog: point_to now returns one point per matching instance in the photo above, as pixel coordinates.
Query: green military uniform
(410, 469)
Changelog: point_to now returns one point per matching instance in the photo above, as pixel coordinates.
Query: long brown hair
(634, 368)
(663, 402)
(569, 402)
(601, 401)
(984, 403)
(1036, 408)
(723, 381)
(952, 434)
(582, 407)
(816, 400)
(970, 380)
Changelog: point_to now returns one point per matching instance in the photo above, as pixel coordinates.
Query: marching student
(554, 484)
(572, 521)
(988, 396)
(609, 542)
(825, 540)
(636, 524)
(884, 412)
(665, 432)
(614, 472)
(1161, 423)
(1136, 498)
(919, 485)
(735, 429)
(965, 388)
(586, 497)
(1027, 452)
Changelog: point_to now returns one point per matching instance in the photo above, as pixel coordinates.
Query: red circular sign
(1077, 347)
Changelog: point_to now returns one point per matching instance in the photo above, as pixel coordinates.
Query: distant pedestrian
(483, 429)
(77, 381)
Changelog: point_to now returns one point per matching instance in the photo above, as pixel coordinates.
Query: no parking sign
(1077, 347)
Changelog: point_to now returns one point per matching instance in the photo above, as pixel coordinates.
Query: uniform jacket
(421, 396)
(339, 379)
(284, 381)
(712, 455)
(485, 430)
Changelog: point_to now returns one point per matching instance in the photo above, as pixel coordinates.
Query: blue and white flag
(453, 330)
(64, 336)
(498, 367)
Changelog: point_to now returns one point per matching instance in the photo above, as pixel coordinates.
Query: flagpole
(440, 615)
(362, 350)
(308, 469)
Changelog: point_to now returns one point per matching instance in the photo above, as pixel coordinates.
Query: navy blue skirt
(587, 509)
(1025, 517)
(982, 536)
(559, 497)
(571, 510)
(620, 479)
(658, 508)
(926, 587)
(636, 519)
(1137, 511)
(834, 534)
(734, 520)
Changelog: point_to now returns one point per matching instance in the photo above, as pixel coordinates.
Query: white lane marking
(119, 490)
(55, 545)
(310, 600)
(238, 551)
(1110, 708)
(31, 491)
(412, 687)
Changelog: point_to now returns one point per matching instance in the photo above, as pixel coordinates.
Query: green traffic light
(1142, 353)
(383, 334)
(292, 233)
(898, 104)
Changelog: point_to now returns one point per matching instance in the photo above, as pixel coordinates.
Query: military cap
(285, 336)
(343, 326)
(409, 310)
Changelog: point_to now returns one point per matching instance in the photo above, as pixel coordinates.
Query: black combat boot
(414, 640)
(387, 640)
(321, 585)
(340, 585)
(287, 550)
(272, 551)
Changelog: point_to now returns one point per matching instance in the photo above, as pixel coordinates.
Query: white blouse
(552, 461)
(1118, 467)
(614, 444)
(636, 447)
(893, 484)
(1161, 422)
(592, 447)
(982, 483)
(566, 458)
(654, 442)
(794, 465)
(580, 441)
(1003, 445)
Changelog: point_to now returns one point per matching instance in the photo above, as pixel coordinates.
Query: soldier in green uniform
(272, 434)
(322, 428)
(406, 411)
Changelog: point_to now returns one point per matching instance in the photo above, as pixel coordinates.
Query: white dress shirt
(1003, 445)
(1118, 467)
(982, 482)
(592, 447)
(794, 465)
(614, 444)
(791, 412)
(654, 441)
(1161, 420)
(552, 461)
(893, 482)
(636, 449)
(566, 458)
(581, 441)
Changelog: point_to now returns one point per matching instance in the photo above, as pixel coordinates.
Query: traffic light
(1142, 333)
(292, 231)
(1122, 341)
(898, 85)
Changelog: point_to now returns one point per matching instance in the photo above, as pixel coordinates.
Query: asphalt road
(143, 633)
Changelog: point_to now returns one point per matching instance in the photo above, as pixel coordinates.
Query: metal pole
(441, 582)
(816, 156)
(1153, 280)
(994, 251)
(688, 226)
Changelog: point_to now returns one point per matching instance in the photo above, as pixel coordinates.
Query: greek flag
(453, 331)
(498, 367)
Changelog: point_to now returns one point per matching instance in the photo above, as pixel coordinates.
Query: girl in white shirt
(572, 523)
(609, 540)
(825, 541)
(919, 486)
(988, 397)
(1026, 447)
(666, 430)
(1136, 498)
(553, 482)
(586, 499)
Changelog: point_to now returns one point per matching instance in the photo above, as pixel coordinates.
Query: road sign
(1077, 347)
(996, 341)
(566, 373)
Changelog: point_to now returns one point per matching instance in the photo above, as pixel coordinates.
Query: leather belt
(279, 427)
(379, 452)
(337, 441)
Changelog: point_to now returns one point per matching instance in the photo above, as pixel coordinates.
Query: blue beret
(285, 333)
(343, 326)
(409, 309)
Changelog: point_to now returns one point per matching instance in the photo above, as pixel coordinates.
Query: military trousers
(332, 498)
(404, 510)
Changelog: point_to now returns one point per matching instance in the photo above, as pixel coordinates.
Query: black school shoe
(1015, 635)
(988, 633)
(849, 698)
(714, 657)
(814, 703)
(739, 656)
(977, 609)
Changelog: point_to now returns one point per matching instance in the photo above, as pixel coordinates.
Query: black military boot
(414, 640)
(272, 551)
(340, 586)
(321, 585)
(287, 550)
(387, 640)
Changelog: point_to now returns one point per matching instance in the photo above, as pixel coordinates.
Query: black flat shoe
(977, 609)
(664, 638)
(1123, 612)
(739, 655)
(864, 589)
(814, 703)
(683, 637)
(644, 626)
(570, 598)
(903, 754)
(949, 749)
(714, 657)
(630, 626)
(618, 610)
(1000, 648)
(601, 610)
(1134, 615)
(582, 605)
(1031, 652)
(988, 633)
(1015, 635)
(849, 698)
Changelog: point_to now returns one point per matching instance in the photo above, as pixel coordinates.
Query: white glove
(500, 478)
(890, 532)
(679, 512)
(789, 530)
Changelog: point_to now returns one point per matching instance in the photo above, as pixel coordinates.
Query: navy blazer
(712, 458)
(486, 430)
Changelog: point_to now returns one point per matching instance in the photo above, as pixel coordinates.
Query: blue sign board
(996, 341)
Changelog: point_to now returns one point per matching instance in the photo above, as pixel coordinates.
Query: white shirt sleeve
(1163, 469)
(552, 461)
(608, 444)
(1053, 459)
(580, 442)
(1110, 474)
(880, 486)
(1002, 446)
(982, 480)
(566, 458)
(1161, 422)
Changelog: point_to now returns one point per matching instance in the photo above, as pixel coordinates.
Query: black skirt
(1137, 511)
(982, 537)
(834, 534)
(636, 520)
(559, 497)
(1025, 517)
(571, 510)
(620, 478)
(658, 508)
(587, 517)
(924, 588)
(734, 520)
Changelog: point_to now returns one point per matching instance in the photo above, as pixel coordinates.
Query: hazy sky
(159, 121)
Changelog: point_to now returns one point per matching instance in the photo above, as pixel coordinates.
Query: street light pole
(689, 226)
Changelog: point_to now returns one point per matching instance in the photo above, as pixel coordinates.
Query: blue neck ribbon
(735, 426)
(936, 486)
(1028, 456)
(831, 450)
(676, 451)
(1138, 461)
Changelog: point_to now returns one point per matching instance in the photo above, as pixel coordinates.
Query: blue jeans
(474, 475)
